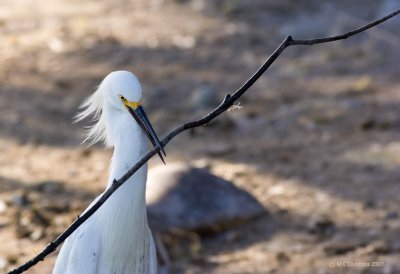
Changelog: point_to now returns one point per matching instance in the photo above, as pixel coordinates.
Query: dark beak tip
(140, 116)
(161, 157)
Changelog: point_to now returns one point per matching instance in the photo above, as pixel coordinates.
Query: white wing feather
(80, 252)
(152, 256)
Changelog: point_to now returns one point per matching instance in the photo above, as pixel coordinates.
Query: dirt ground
(316, 142)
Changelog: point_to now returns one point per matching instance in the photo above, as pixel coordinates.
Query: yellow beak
(133, 105)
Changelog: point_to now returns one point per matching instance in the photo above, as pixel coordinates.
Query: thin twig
(224, 105)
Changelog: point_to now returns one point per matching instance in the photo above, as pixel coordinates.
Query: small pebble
(3, 263)
(3, 206)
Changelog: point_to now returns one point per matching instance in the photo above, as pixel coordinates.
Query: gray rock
(204, 97)
(21, 199)
(321, 226)
(391, 215)
(340, 248)
(183, 197)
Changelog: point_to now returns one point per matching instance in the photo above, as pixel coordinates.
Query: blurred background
(316, 142)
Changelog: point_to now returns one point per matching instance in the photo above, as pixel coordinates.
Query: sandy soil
(316, 140)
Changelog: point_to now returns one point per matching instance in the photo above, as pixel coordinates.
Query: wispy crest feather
(92, 107)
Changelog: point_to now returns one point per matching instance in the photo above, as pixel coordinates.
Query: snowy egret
(117, 238)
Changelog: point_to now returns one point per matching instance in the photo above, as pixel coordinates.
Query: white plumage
(116, 239)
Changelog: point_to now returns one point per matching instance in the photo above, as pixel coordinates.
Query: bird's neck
(129, 146)
(125, 220)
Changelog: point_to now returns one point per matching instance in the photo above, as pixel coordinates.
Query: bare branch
(344, 35)
(228, 101)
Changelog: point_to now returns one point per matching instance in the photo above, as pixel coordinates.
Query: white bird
(116, 239)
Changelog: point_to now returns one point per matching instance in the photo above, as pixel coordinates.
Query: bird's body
(116, 239)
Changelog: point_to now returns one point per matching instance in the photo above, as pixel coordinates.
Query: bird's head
(119, 92)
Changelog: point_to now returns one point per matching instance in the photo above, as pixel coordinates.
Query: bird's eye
(122, 98)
